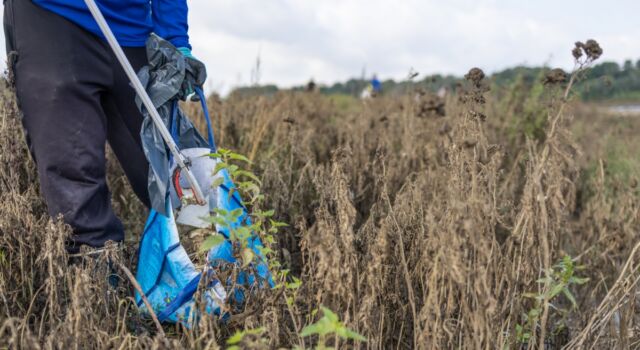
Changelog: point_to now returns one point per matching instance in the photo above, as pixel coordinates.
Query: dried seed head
(555, 76)
(577, 51)
(475, 92)
(475, 75)
(430, 105)
(478, 115)
(592, 49)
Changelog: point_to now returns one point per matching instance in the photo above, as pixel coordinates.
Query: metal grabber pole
(146, 100)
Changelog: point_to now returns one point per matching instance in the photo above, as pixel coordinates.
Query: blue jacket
(130, 20)
(376, 85)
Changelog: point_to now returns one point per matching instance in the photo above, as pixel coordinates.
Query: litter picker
(167, 277)
(182, 161)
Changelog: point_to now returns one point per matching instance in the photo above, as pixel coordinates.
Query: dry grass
(420, 231)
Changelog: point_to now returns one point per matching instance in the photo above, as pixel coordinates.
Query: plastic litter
(165, 272)
(163, 79)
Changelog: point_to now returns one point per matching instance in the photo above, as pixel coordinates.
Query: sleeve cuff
(180, 42)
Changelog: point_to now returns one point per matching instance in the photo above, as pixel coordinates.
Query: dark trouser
(74, 97)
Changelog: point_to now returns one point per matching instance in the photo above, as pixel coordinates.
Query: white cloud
(333, 40)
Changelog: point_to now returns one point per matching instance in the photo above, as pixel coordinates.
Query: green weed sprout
(558, 281)
(248, 338)
(262, 224)
(329, 325)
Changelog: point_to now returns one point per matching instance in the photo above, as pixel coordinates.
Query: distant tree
(605, 68)
(256, 90)
(604, 81)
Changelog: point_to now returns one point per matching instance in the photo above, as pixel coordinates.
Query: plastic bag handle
(207, 118)
(174, 127)
(173, 124)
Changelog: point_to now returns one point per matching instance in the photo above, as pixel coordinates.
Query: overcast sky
(333, 40)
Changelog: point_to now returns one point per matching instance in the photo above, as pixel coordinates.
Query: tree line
(605, 81)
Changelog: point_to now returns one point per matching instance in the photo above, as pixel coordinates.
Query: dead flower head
(555, 76)
(475, 75)
(591, 48)
(577, 50)
(475, 92)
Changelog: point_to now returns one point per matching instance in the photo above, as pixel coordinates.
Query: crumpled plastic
(166, 274)
(166, 78)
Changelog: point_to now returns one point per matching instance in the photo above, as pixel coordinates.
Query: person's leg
(61, 73)
(124, 122)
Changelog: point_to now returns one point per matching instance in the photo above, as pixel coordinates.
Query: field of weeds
(509, 223)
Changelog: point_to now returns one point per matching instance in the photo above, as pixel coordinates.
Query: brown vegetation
(429, 233)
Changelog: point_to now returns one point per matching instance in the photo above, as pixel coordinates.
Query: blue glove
(196, 74)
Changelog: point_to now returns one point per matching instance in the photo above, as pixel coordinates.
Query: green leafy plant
(249, 187)
(262, 223)
(329, 324)
(248, 338)
(557, 282)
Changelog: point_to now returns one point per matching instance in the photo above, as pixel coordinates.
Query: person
(74, 97)
(376, 86)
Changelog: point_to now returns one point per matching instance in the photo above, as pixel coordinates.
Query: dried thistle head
(475, 94)
(475, 76)
(430, 105)
(591, 48)
(577, 50)
(555, 76)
